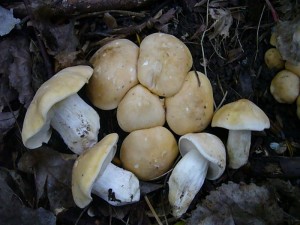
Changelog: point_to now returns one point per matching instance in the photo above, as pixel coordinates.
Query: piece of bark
(53, 8)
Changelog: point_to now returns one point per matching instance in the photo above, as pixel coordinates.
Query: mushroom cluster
(156, 96)
(285, 85)
(150, 86)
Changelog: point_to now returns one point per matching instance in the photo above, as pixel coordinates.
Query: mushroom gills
(76, 122)
(238, 146)
(186, 180)
(117, 186)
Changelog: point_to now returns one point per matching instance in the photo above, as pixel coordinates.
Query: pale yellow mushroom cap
(273, 59)
(149, 153)
(36, 127)
(140, 109)
(191, 109)
(163, 63)
(114, 73)
(89, 166)
(241, 115)
(285, 87)
(295, 68)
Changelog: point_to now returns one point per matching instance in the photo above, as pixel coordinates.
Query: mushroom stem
(238, 146)
(117, 186)
(186, 180)
(76, 122)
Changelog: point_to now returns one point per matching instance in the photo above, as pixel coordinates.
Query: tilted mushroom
(140, 109)
(57, 103)
(114, 73)
(94, 173)
(285, 87)
(203, 156)
(163, 63)
(149, 153)
(191, 109)
(240, 118)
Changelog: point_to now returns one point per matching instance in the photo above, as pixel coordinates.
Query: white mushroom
(203, 156)
(94, 173)
(240, 118)
(56, 103)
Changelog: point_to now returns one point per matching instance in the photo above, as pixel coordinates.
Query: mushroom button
(114, 73)
(149, 153)
(240, 118)
(56, 103)
(140, 109)
(285, 87)
(94, 173)
(203, 156)
(191, 109)
(273, 59)
(294, 68)
(163, 63)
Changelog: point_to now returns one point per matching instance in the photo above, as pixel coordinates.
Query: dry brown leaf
(52, 171)
(222, 22)
(235, 203)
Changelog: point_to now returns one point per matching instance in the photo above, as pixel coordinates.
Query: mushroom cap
(210, 147)
(149, 153)
(140, 109)
(114, 73)
(163, 63)
(36, 127)
(241, 115)
(294, 68)
(89, 166)
(191, 109)
(273, 59)
(285, 87)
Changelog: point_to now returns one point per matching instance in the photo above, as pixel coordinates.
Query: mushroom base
(76, 122)
(185, 181)
(117, 186)
(238, 146)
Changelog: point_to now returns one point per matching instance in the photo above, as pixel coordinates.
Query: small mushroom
(273, 59)
(57, 103)
(294, 68)
(240, 118)
(149, 153)
(140, 109)
(191, 109)
(163, 63)
(94, 173)
(114, 73)
(285, 87)
(203, 156)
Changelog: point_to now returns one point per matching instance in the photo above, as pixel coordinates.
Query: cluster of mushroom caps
(149, 86)
(285, 86)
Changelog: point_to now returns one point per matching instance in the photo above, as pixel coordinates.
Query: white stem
(238, 146)
(117, 186)
(185, 181)
(76, 122)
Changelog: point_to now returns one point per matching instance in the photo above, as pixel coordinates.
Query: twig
(153, 211)
(273, 11)
(202, 39)
(257, 32)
